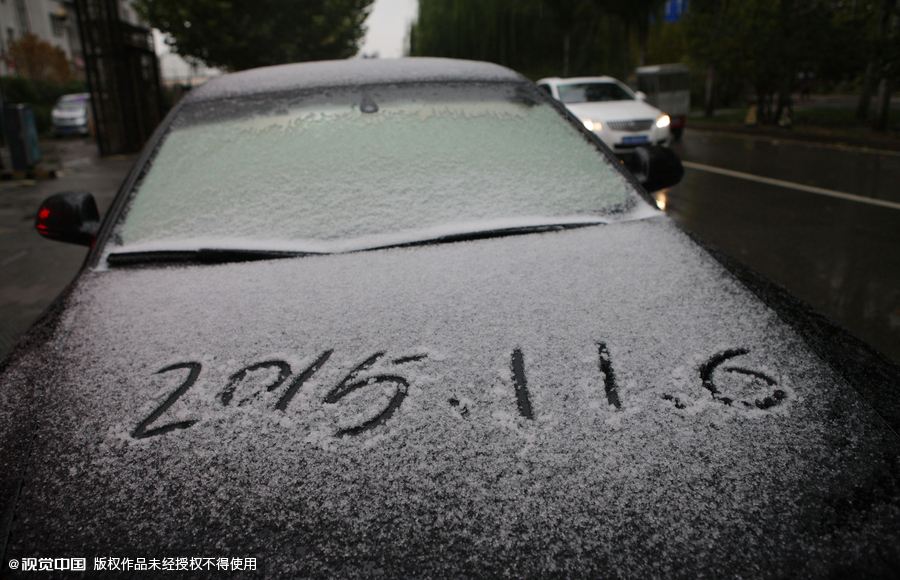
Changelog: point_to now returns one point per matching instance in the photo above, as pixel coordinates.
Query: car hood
(598, 402)
(614, 110)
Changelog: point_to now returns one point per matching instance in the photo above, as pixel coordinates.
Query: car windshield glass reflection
(310, 172)
(593, 92)
(72, 106)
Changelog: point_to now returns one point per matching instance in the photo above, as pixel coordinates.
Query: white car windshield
(593, 92)
(345, 169)
(71, 106)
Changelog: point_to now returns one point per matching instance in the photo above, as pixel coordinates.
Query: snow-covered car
(71, 115)
(409, 319)
(611, 110)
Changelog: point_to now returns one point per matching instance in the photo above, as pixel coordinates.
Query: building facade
(52, 21)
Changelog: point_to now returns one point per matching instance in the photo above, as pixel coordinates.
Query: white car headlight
(663, 121)
(592, 125)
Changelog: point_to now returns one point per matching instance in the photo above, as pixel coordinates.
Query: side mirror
(641, 95)
(70, 216)
(656, 167)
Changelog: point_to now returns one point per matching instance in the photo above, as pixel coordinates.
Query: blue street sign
(674, 9)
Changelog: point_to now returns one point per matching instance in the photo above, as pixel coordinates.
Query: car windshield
(593, 92)
(345, 169)
(71, 105)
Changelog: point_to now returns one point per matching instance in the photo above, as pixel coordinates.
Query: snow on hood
(605, 401)
(614, 110)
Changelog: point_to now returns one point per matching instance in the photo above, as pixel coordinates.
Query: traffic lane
(791, 185)
(33, 270)
(866, 173)
(840, 256)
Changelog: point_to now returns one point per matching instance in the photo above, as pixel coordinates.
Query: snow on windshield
(317, 173)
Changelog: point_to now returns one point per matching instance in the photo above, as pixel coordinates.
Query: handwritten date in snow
(392, 375)
(350, 383)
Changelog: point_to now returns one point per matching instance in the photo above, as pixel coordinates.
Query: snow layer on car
(342, 73)
(668, 479)
(331, 177)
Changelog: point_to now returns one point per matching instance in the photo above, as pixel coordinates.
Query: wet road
(34, 270)
(841, 255)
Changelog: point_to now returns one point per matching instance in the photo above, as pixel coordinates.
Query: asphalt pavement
(33, 270)
(822, 220)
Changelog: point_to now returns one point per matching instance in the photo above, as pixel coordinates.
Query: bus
(668, 88)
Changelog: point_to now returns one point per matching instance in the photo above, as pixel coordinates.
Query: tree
(241, 34)
(767, 43)
(712, 41)
(636, 16)
(38, 60)
(567, 16)
(538, 38)
(883, 67)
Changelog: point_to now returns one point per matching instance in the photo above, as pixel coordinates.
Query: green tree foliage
(883, 68)
(666, 43)
(242, 34)
(636, 15)
(535, 37)
(766, 44)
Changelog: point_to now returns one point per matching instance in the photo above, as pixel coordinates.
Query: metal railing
(123, 77)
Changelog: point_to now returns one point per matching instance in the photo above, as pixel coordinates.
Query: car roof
(348, 73)
(575, 80)
(664, 68)
(75, 97)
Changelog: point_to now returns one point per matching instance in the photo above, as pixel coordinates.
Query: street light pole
(2, 125)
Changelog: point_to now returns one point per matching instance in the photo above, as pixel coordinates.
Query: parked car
(409, 318)
(611, 110)
(71, 115)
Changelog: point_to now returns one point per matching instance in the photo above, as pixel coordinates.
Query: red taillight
(42, 216)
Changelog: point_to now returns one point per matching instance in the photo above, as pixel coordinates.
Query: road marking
(791, 185)
(13, 258)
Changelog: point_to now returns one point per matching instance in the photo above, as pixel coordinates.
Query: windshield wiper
(201, 256)
(483, 235)
(224, 256)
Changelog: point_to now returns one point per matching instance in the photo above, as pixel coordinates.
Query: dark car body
(612, 400)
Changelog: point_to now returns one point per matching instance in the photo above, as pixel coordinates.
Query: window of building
(22, 14)
(57, 25)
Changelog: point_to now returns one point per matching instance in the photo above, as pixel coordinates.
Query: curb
(6, 175)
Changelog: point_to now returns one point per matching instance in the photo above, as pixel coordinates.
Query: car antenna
(368, 105)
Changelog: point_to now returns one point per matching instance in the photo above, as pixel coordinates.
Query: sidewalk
(57, 156)
(34, 270)
(827, 119)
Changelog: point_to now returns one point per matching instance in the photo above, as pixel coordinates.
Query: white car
(72, 115)
(617, 115)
